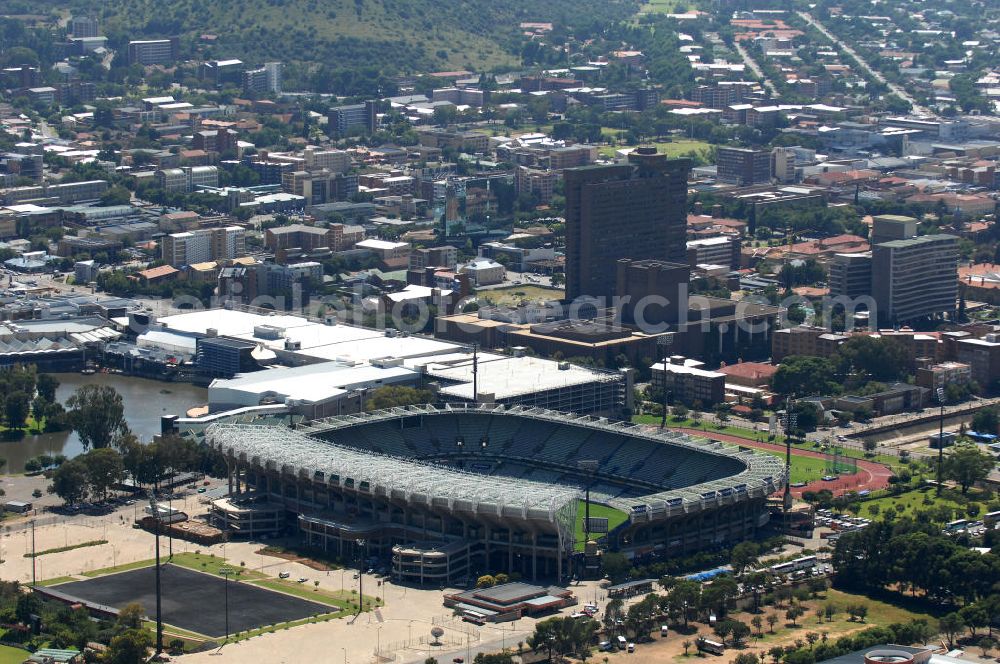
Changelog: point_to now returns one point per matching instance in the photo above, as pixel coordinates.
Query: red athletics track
(871, 476)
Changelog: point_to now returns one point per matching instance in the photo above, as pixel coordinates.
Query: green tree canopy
(97, 414)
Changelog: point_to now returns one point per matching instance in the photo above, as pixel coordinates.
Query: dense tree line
(25, 393)
(913, 554)
(92, 475)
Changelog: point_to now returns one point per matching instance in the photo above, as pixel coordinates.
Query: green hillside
(395, 36)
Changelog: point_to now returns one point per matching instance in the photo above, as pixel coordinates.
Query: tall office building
(851, 274)
(634, 210)
(915, 278)
(153, 51)
(84, 26)
(348, 119)
(742, 166)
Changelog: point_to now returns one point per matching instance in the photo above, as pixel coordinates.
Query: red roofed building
(749, 374)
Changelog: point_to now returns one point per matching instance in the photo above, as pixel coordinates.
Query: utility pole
(940, 468)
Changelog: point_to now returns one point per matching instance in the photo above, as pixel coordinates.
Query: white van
(664, 631)
(622, 643)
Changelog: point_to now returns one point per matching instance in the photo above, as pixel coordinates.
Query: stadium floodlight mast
(666, 342)
(940, 468)
(589, 466)
(155, 509)
(226, 571)
(362, 542)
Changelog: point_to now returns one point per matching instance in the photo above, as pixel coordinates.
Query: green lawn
(664, 7)
(913, 501)
(120, 568)
(55, 581)
(879, 614)
(516, 294)
(203, 562)
(11, 655)
(615, 518)
(676, 148)
(337, 599)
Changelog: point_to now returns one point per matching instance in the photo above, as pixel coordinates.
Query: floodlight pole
(34, 558)
(361, 578)
(588, 466)
(475, 373)
(154, 508)
(665, 342)
(940, 468)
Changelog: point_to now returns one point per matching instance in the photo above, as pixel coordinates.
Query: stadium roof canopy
(300, 452)
(296, 452)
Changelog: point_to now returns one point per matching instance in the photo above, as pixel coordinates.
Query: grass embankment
(341, 599)
(60, 549)
(55, 581)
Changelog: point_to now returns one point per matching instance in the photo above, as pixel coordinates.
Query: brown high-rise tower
(636, 210)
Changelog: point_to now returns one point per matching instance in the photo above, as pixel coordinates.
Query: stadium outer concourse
(449, 492)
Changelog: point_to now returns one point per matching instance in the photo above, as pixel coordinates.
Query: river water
(145, 401)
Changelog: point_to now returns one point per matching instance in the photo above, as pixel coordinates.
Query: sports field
(195, 601)
(615, 518)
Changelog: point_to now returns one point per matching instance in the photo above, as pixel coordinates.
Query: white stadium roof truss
(298, 452)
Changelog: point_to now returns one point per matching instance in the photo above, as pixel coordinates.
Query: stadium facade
(449, 492)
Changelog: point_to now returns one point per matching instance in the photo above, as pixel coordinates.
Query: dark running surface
(195, 601)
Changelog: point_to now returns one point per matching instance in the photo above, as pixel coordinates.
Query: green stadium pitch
(194, 601)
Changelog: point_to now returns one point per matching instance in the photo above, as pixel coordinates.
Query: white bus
(707, 645)
(803, 563)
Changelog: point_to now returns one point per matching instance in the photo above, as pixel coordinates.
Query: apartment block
(200, 246)
(187, 179)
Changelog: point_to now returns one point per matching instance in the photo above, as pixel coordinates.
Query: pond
(145, 401)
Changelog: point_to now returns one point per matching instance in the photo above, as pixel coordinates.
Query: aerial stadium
(449, 492)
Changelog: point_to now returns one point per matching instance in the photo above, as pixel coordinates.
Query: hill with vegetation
(341, 38)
